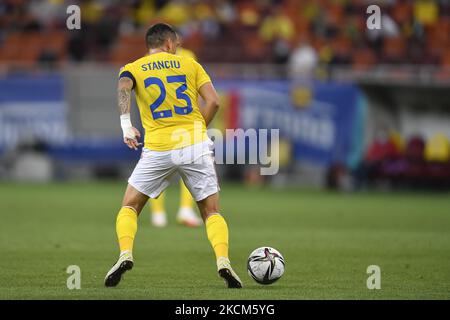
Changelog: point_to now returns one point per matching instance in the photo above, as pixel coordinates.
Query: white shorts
(195, 165)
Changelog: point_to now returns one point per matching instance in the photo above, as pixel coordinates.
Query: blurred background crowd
(379, 116)
(271, 31)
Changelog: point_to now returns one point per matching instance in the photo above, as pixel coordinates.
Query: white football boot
(122, 265)
(159, 219)
(227, 273)
(189, 218)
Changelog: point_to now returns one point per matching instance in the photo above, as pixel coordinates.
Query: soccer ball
(265, 265)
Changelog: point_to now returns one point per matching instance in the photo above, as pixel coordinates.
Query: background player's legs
(186, 213)
(158, 212)
(186, 200)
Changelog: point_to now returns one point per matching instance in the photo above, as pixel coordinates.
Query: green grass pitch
(328, 241)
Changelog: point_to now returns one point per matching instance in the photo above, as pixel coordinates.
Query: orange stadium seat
(128, 48)
(56, 42)
(394, 49)
(123, 54)
(11, 46)
(364, 59)
(335, 14)
(402, 12)
(135, 39)
(445, 57)
(22, 49)
(32, 46)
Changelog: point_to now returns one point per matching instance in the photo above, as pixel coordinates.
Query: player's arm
(130, 133)
(211, 102)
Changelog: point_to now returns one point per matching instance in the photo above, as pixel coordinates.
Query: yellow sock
(217, 231)
(126, 228)
(157, 205)
(185, 196)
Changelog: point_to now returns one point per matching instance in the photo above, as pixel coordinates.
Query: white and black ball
(265, 265)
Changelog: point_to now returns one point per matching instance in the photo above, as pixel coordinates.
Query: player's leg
(186, 213)
(158, 212)
(201, 179)
(149, 179)
(126, 228)
(217, 232)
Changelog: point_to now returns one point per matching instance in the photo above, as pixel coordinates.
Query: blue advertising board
(32, 106)
(321, 120)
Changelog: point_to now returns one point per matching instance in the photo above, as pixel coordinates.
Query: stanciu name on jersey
(158, 65)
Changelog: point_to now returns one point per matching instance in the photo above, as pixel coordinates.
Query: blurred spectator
(382, 149)
(240, 30)
(426, 12)
(414, 150)
(176, 13)
(277, 25)
(278, 30)
(437, 149)
(389, 29)
(303, 60)
(418, 164)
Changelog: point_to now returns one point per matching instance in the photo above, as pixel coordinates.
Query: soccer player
(166, 88)
(186, 214)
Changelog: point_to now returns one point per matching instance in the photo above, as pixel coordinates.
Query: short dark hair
(158, 34)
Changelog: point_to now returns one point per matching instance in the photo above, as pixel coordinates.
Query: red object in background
(415, 149)
(414, 155)
(382, 150)
(233, 111)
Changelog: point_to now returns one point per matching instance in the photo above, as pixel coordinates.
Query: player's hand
(130, 138)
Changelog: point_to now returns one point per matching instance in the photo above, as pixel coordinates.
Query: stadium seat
(56, 42)
(422, 26)
(11, 46)
(22, 50)
(363, 59)
(128, 48)
(394, 50)
(445, 59)
(402, 11)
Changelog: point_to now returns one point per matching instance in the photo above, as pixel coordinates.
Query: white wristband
(125, 121)
(127, 127)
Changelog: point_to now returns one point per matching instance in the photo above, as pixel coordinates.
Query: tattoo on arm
(124, 100)
(124, 95)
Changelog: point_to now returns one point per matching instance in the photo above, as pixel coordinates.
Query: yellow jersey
(166, 88)
(186, 53)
